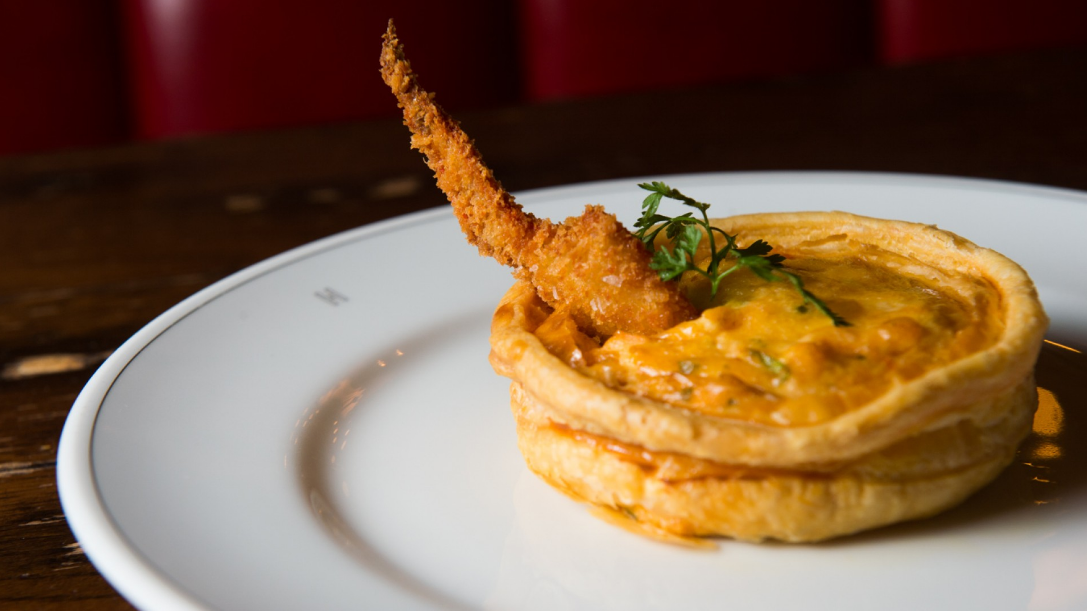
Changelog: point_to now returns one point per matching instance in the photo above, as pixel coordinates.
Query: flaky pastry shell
(919, 448)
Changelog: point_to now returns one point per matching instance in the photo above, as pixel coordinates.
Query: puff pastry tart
(762, 419)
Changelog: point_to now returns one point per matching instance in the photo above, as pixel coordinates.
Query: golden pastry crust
(786, 508)
(920, 447)
(915, 478)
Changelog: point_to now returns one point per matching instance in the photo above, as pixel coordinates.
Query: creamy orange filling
(757, 354)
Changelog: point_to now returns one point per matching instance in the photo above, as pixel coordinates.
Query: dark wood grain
(94, 244)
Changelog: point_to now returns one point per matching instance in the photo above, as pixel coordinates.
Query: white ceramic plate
(323, 431)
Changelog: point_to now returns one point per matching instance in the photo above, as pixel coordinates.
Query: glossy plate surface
(323, 431)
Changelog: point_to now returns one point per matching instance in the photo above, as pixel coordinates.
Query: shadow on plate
(318, 426)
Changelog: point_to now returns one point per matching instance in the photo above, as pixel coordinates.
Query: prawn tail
(488, 214)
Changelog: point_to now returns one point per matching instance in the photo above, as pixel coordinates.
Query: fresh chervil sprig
(685, 233)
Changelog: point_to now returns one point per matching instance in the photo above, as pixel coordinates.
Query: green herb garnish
(776, 367)
(685, 232)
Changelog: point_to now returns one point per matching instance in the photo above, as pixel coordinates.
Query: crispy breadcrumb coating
(590, 266)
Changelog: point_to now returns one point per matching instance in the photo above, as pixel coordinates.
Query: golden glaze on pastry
(758, 421)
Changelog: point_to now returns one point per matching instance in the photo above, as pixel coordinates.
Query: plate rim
(100, 538)
(143, 584)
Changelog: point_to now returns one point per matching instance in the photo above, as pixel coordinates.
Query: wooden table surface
(94, 244)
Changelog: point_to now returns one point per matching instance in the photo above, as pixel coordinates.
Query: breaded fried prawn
(590, 266)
